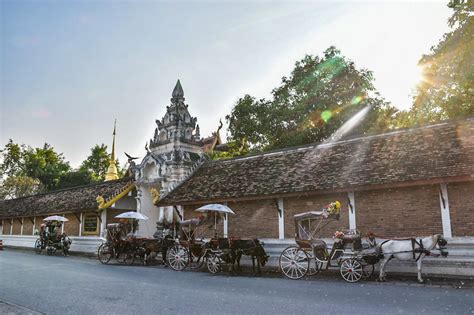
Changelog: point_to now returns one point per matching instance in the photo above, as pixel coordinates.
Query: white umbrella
(215, 207)
(56, 218)
(132, 215)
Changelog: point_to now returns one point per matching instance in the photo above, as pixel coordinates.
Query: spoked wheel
(104, 253)
(367, 271)
(294, 262)
(195, 262)
(214, 263)
(178, 257)
(351, 270)
(38, 246)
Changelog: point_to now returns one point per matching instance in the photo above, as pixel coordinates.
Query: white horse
(408, 249)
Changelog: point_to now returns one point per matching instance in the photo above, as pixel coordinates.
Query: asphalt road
(79, 285)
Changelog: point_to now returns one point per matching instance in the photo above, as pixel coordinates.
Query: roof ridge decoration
(116, 196)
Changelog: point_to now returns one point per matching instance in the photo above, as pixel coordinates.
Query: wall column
(80, 224)
(21, 227)
(11, 226)
(444, 206)
(352, 210)
(226, 223)
(103, 222)
(34, 226)
(1, 228)
(281, 219)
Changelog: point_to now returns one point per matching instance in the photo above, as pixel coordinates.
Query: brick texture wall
(112, 213)
(6, 227)
(71, 227)
(310, 203)
(257, 218)
(207, 229)
(16, 227)
(461, 206)
(399, 212)
(28, 226)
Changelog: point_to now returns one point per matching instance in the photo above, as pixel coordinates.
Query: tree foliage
(26, 170)
(96, 163)
(311, 104)
(447, 90)
(19, 186)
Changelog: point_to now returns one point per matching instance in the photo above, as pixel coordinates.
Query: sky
(69, 68)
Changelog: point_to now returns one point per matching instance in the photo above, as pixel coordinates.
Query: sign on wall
(90, 224)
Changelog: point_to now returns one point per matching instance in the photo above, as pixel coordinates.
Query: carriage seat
(314, 244)
(351, 238)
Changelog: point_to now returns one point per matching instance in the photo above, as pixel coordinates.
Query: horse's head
(441, 243)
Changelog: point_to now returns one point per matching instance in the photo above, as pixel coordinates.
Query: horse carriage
(312, 255)
(193, 251)
(50, 239)
(122, 245)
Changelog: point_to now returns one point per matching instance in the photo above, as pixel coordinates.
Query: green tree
(447, 90)
(96, 163)
(310, 105)
(46, 165)
(12, 159)
(74, 178)
(19, 186)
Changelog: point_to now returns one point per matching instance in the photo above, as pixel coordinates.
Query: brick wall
(28, 226)
(16, 226)
(310, 203)
(257, 218)
(461, 206)
(207, 229)
(400, 212)
(112, 213)
(6, 226)
(71, 227)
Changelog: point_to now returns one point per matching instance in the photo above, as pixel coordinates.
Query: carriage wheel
(38, 246)
(178, 257)
(367, 271)
(351, 270)
(214, 263)
(294, 262)
(104, 253)
(195, 262)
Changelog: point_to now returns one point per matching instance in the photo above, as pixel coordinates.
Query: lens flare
(326, 115)
(356, 100)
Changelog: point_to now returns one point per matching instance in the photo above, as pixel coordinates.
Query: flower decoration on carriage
(331, 209)
(338, 235)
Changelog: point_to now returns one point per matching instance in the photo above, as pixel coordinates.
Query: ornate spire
(178, 93)
(112, 172)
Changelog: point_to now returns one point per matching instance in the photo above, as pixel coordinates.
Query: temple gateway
(410, 182)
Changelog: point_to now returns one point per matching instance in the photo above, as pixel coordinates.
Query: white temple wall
(147, 227)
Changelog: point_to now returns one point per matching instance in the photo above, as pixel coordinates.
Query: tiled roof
(421, 154)
(74, 199)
